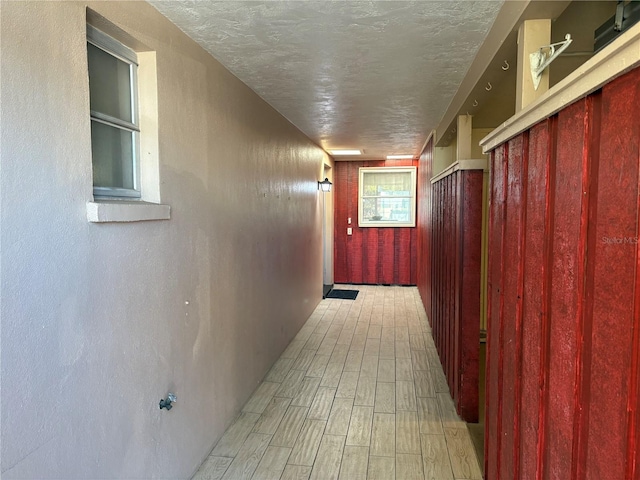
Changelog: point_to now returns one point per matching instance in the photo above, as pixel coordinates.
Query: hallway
(358, 394)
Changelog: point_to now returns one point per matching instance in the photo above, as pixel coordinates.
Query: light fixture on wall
(325, 185)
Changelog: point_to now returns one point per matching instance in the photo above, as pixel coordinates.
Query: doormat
(343, 294)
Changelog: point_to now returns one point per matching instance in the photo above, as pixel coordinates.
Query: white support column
(464, 127)
(532, 35)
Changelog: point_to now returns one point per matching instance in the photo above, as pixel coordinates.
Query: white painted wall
(99, 321)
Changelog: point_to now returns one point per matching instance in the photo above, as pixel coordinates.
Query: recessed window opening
(387, 197)
(115, 130)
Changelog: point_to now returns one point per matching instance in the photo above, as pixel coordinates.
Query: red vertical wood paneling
(566, 270)
(456, 230)
(512, 306)
(341, 209)
(535, 287)
(468, 294)
(423, 233)
(402, 259)
(615, 253)
(494, 393)
(369, 255)
(564, 294)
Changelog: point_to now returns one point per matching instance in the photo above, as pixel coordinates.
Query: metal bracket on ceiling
(541, 59)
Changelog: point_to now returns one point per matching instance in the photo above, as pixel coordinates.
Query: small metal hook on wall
(475, 103)
(505, 67)
(488, 87)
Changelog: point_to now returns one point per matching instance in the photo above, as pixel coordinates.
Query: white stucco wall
(99, 321)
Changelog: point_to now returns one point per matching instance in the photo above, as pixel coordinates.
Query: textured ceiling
(374, 75)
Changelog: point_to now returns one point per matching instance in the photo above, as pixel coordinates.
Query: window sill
(126, 211)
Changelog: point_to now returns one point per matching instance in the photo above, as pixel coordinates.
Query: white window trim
(148, 206)
(363, 223)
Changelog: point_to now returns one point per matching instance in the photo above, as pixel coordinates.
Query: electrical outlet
(349, 231)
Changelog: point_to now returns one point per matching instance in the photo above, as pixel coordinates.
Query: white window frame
(116, 49)
(363, 222)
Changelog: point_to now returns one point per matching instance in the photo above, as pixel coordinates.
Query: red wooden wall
(377, 256)
(564, 294)
(455, 283)
(423, 273)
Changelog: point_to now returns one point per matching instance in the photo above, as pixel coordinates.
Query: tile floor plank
(279, 371)
(296, 472)
(306, 446)
(321, 406)
(409, 467)
(448, 412)
(289, 428)
(407, 433)
(306, 392)
(386, 370)
(289, 388)
(272, 464)
(327, 464)
(338, 423)
(213, 468)
(365, 392)
(353, 361)
(359, 433)
(424, 384)
(435, 458)
(429, 416)
(261, 397)
(405, 396)
(404, 371)
(318, 366)
(369, 367)
(248, 457)
(347, 385)
(272, 416)
(332, 375)
(381, 468)
(383, 435)
(355, 461)
(385, 398)
(462, 454)
(235, 435)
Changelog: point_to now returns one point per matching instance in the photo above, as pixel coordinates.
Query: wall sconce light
(325, 185)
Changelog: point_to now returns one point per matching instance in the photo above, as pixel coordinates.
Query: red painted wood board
(566, 281)
(535, 285)
(512, 257)
(494, 394)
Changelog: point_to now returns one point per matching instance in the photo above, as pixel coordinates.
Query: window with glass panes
(387, 197)
(114, 116)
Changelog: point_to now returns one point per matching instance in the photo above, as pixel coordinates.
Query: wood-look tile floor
(358, 394)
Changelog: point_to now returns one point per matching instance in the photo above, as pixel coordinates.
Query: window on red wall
(387, 197)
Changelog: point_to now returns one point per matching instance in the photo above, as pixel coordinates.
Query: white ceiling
(373, 75)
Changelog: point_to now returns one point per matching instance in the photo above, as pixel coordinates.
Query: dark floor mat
(343, 294)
